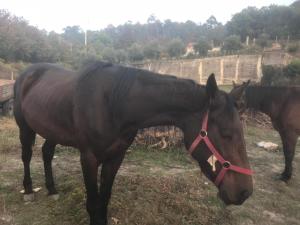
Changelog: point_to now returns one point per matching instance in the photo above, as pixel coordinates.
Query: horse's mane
(124, 78)
(92, 67)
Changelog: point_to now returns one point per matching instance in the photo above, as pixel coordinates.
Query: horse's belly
(293, 117)
(45, 121)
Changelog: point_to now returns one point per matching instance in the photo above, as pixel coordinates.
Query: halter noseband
(226, 165)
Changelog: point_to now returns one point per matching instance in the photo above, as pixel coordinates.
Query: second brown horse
(282, 105)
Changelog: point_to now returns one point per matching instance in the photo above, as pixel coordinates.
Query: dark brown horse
(99, 111)
(282, 105)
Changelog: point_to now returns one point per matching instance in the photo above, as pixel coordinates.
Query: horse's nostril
(244, 194)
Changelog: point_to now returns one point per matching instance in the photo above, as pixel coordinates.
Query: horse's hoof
(282, 177)
(28, 197)
(285, 179)
(55, 197)
(99, 222)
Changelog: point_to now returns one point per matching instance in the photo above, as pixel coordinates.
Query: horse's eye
(226, 134)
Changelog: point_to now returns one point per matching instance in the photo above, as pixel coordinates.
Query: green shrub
(292, 48)
(293, 69)
(288, 75)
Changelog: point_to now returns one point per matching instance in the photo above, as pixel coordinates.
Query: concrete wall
(236, 68)
(276, 57)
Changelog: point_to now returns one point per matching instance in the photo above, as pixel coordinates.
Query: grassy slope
(152, 188)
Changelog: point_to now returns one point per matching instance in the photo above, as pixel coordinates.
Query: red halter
(226, 165)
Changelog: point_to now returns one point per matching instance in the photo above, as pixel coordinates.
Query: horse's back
(43, 98)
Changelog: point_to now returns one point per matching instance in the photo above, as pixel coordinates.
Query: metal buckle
(226, 164)
(203, 133)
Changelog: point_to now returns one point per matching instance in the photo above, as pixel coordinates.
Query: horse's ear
(237, 91)
(211, 86)
(234, 85)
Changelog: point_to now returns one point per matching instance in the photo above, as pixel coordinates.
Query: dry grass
(152, 188)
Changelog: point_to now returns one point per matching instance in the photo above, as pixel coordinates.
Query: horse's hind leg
(289, 141)
(27, 138)
(48, 152)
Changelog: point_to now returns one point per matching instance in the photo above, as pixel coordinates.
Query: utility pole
(85, 41)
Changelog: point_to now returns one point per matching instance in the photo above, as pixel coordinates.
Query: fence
(236, 68)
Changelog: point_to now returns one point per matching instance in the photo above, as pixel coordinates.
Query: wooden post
(236, 77)
(149, 67)
(258, 68)
(247, 40)
(222, 71)
(200, 72)
(12, 75)
(85, 41)
(180, 69)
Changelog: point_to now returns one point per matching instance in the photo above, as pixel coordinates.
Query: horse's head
(217, 131)
(238, 93)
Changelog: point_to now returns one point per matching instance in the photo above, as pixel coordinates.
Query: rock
(6, 218)
(267, 145)
(55, 197)
(35, 190)
(28, 197)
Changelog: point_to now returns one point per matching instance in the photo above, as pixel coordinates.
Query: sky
(95, 15)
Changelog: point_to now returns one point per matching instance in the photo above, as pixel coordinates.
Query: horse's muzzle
(238, 200)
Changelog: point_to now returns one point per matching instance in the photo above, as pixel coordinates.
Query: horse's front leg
(89, 165)
(108, 173)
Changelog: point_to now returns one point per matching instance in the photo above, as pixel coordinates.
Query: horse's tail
(23, 83)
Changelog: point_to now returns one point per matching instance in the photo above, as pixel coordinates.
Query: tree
(212, 23)
(276, 21)
(74, 34)
(135, 53)
(202, 47)
(152, 19)
(108, 54)
(152, 50)
(263, 40)
(175, 48)
(232, 44)
(121, 56)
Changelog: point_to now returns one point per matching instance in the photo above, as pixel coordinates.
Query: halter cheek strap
(226, 165)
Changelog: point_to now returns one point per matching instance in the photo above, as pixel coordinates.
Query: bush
(288, 75)
(293, 69)
(270, 74)
(292, 48)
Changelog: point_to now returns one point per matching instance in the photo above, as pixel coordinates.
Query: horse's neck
(266, 101)
(166, 101)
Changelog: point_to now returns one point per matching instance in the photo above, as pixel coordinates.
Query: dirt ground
(153, 187)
